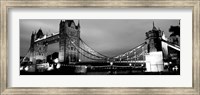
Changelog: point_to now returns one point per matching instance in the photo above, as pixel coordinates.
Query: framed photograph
(100, 47)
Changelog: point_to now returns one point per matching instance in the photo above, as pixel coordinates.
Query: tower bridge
(73, 50)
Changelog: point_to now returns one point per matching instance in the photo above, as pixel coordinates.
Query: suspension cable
(92, 48)
(131, 49)
(84, 51)
(24, 56)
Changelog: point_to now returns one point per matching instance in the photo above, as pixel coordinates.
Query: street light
(111, 67)
(130, 67)
(56, 60)
(21, 68)
(111, 63)
(57, 64)
(26, 69)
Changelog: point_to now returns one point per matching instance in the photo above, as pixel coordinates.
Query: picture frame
(6, 4)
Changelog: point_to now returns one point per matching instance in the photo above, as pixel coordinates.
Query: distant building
(175, 35)
(173, 53)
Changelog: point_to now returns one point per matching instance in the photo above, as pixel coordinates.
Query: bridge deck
(107, 63)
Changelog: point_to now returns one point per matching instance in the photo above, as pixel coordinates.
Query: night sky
(108, 36)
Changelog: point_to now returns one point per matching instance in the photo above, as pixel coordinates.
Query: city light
(111, 63)
(165, 64)
(58, 66)
(56, 60)
(21, 68)
(50, 68)
(175, 68)
(26, 69)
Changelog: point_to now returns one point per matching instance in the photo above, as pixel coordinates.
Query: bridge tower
(38, 50)
(69, 38)
(153, 38)
(154, 58)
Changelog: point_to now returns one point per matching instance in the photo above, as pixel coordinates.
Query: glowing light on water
(26, 69)
(58, 66)
(21, 68)
(50, 68)
(56, 60)
(165, 63)
(111, 63)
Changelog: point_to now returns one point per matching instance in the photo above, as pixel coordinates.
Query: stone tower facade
(32, 47)
(38, 50)
(154, 58)
(69, 40)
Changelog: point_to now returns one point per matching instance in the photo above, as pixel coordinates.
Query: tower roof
(69, 22)
(154, 28)
(40, 33)
(78, 26)
(61, 21)
(78, 23)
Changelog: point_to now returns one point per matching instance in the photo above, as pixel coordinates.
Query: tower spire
(60, 21)
(78, 24)
(153, 24)
(154, 28)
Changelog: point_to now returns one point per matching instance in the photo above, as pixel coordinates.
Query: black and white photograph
(100, 46)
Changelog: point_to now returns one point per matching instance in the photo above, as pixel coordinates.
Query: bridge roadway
(103, 66)
(103, 63)
(52, 38)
